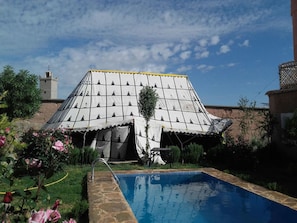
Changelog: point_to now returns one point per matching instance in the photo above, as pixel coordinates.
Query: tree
(147, 102)
(246, 120)
(23, 97)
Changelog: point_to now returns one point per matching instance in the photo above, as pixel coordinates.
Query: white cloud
(73, 36)
(184, 68)
(245, 43)
(185, 55)
(205, 68)
(39, 25)
(72, 63)
(214, 40)
(224, 49)
(203, 54)
(203, 42)
(231, 64)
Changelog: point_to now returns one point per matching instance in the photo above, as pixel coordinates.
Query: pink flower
(59, 146)
(35, 134)
(7, 130)
(70, 221)
(56, 204)
(33, 163)
(38, 217)
(53, 215)
(2, 140)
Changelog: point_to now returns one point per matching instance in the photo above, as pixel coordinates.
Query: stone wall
(49, 107)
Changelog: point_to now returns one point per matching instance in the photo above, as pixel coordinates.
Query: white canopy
(105, 99)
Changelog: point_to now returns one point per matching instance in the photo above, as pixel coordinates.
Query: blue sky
(229, 49)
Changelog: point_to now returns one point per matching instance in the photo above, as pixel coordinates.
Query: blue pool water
(197, 197)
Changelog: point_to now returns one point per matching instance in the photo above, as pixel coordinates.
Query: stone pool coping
(108, 205)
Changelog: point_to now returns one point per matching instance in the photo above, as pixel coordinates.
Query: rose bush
(46, 152)
(9, 146)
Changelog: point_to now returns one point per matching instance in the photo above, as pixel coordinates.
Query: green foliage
(23, 97)
(75, 156)
(239, 156)
(146, 104)
(273, 186)
(46, 153)
(266, 125)
(175, 153)
(85, 155)
(192, 153)
(247, 118)
(9, 145)
(217, 154)
(80, 209)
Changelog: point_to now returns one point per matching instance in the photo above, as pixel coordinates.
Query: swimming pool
(197, 197)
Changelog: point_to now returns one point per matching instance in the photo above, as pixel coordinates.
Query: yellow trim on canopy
(144, 73)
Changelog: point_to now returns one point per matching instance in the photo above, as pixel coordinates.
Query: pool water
(197, 197)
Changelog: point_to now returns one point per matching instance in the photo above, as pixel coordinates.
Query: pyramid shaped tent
(106, 101)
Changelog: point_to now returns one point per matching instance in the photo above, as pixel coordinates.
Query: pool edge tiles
(275, 196)
(107, 203)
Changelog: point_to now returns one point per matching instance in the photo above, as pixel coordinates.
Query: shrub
(217, 154)
(175, 153)
(85, 155)
(75, 156)
(193, 153)
(88, 155)
(80, 210)
(46, 153)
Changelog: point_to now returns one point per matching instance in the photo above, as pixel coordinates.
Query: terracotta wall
(47, 109)
(281, 102)
(236, 115)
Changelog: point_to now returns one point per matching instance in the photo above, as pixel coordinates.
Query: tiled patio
(108, 205)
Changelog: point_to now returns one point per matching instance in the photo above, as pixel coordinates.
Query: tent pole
(84, 142)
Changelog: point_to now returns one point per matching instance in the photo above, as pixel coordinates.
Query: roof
(106, 98)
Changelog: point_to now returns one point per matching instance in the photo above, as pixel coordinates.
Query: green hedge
(193, 153)
(175, 153)
(85, 155)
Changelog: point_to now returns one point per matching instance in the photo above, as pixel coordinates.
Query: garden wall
(237, 116)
